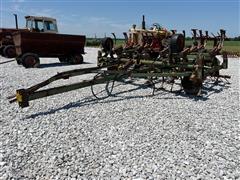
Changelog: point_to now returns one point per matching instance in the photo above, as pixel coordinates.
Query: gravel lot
(128, 136)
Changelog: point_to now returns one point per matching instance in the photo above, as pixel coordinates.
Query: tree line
(237, 38)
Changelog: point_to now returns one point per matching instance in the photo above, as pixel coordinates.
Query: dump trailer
(7, 48)
(32, 45)
(33, 24)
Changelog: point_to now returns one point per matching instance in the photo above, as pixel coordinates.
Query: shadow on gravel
(211, 88)
(58, 64)
(7, 61)
(207, 91)
(83, 102)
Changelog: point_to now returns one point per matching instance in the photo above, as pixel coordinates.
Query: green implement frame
(189, 65)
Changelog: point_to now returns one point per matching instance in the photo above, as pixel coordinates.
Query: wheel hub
(31, 61)
(191, 85)
(11, 53)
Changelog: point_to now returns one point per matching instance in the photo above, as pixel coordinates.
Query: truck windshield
(38, 26)
(50, 26)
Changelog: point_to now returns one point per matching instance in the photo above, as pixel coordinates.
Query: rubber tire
(107, 44)
(177, 43)
(25, 60)
(190, 87)
(19, 60)
(9, 51)
(76, 59)
(1, 50)
(63, 59)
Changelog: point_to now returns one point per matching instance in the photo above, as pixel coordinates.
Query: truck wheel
(9, 51)
(19, 60)
(30, 60)
(63, 59)
(1, 50)
(76, 59)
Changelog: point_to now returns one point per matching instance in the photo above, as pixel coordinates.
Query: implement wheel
(191, 86)
(107, 44)
(30, 60)
(177, 43)
(9, 51)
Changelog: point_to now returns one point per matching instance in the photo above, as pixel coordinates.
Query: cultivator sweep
(155, 54)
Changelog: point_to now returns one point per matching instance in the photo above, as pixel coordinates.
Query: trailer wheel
(63, 59)
(9, 51)
(1, 50)
(76, 59)
(19, 60)
(190, 86)
(30, 60)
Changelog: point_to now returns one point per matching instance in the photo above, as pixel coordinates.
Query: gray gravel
(128, 136)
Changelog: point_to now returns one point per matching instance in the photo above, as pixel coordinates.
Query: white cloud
(42, 12)
(93, 25)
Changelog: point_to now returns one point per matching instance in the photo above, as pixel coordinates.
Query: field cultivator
(157, 55)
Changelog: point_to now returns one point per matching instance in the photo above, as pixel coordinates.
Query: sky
(100, 17)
